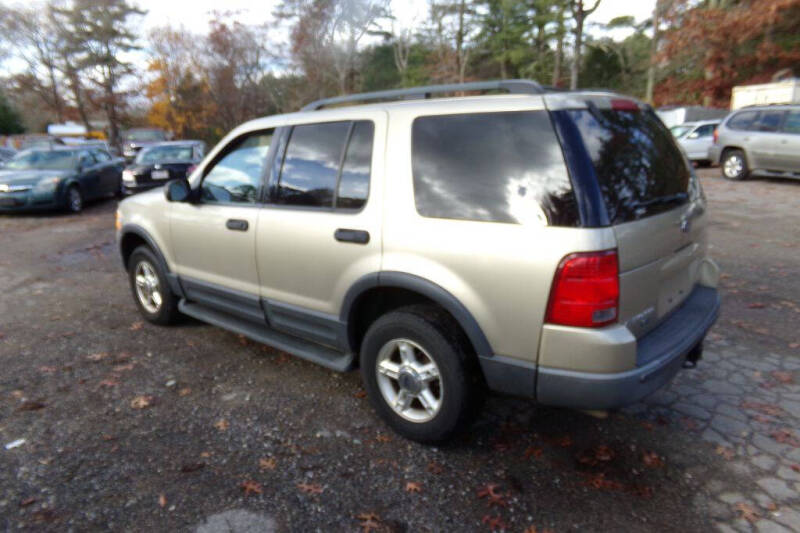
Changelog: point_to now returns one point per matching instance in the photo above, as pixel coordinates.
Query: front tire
(734, 165)
(150, 288)
(415, 368)
(74, 199)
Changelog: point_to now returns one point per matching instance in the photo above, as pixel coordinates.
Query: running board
(310, 351)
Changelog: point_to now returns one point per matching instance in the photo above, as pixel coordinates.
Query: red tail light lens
(585, 290)
(619, 104)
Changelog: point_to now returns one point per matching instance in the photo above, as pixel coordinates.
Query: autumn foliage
(710, 47)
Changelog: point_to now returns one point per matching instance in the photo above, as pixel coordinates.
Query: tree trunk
(56, 97)
(576, 55)
(559, 49)
(460, 67)
(651, 69)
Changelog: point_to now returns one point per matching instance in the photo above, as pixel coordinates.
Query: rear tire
(416, 369)
(734, 165)
(150, 288)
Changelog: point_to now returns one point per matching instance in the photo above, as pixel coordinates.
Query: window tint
(86, 159)
(705, 130)
(769, 121)
(792, 122)
(494, 167)
(640, 169)
(354, 181)
(101, 156)
(743, 120)
(311, 164)
(237, 176)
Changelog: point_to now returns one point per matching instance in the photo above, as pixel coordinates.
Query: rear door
(90, 176)
(699, 141)
(765, 140)
(320, 230)
(789, 146)
(654, 205)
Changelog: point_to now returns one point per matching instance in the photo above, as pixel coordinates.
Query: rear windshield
(640, 169)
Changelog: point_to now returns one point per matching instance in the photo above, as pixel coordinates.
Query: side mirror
(178, 190)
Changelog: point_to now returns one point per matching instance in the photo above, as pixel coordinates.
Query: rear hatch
(654, 204)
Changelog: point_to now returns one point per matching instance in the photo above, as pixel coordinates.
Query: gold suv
(542, 243)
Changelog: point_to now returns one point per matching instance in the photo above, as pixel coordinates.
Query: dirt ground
(129, 426)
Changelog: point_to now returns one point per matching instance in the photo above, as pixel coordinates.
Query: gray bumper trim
(509, 376)
(666, 348)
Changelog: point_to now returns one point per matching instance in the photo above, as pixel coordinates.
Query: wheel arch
(385, 291)
(131, 237)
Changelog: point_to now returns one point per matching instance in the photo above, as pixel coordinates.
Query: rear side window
(792, 122)
(704, 131)
(316, 166)
(743, 120)
(639, 168)
(769, 121)
(493, 167)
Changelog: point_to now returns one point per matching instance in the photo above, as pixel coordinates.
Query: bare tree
(579, 13)
(451, 29)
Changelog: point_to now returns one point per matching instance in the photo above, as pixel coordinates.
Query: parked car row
(753, 141)
(56, 176)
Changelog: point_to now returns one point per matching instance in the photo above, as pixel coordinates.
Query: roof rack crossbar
(512, 86)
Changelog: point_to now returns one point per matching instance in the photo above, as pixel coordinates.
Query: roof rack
(512, 86)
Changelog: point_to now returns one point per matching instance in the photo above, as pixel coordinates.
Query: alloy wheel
(409, 380)
(148, 288)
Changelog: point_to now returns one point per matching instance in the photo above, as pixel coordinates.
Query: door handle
(236, 224)
(351, 235)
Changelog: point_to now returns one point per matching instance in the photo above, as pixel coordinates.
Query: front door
(789, 146)
(214, 238)
(766, 139)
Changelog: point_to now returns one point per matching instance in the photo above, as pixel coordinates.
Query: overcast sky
(194, 14)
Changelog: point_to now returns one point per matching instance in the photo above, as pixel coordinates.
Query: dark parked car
(139, 138)
(62, 178)
(161, 162)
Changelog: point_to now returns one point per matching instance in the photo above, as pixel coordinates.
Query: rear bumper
(659, 354)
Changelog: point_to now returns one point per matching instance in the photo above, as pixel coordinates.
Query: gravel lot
(129, 426)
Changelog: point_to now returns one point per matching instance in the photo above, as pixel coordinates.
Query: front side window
(236, 177)
(491, 167)
(704, 131)
(315, 173)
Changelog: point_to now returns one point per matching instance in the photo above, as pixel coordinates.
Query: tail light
(716, 135)
(585, 291)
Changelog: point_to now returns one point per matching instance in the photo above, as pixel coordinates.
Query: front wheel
(150, 288)
(416, 371)
(74, 199)
(734, 165)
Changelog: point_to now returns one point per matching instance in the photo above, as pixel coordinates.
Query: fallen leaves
(188, 468)
(370, 522)
(267, 463)
(784, 378)
(435, 468)
(360, 394)
(383, 438)
(493, 495)
(222, 424)
(599, 481)
(652, 460)
(136, 326)
(186, 391)
(563, 442)
(142, 402)
(598, 454)
(495, 523)
(31, 406)
(413, 486)
(725, 452)
(27, 502)
(786, 436)
(747, 512)
(532, 451)
(310, 488)
(108, 383)
(162, 500)
(763, 408)
(97, 357)
(756, 305)
(251, 487)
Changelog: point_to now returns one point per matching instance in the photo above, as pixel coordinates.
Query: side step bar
(316, 353)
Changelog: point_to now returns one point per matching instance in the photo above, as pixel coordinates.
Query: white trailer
(779, 92)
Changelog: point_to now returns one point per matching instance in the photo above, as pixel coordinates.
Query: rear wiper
(661, 200)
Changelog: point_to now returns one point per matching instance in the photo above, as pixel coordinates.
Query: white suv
(546, 244)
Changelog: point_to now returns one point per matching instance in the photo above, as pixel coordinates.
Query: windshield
(42, 160)
(145, 135)
(680, 130)
(639, 167)
(165, 153)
